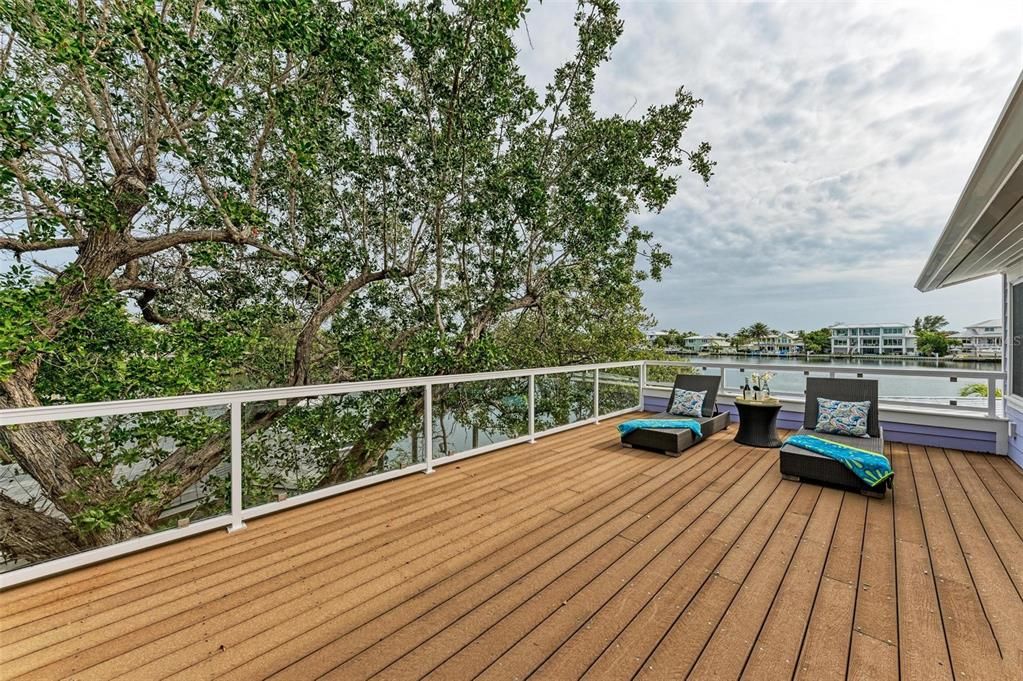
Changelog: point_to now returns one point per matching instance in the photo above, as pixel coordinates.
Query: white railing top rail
(66, 412)
(810, 367)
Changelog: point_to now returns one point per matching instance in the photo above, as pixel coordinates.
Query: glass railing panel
(131, 475)
(938, 391)
(467, 416)
(782, 383)
(563, 398)
(619, 389)
(664, 376)
(292, 447)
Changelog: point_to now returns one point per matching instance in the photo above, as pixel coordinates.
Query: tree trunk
(44, 451)
(27, 534)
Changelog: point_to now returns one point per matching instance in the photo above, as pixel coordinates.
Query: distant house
(654, 335)
(705, 344)
(983, 339)
(873, 339)
(783, 343)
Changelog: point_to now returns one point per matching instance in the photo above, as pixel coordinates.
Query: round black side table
(758, 422)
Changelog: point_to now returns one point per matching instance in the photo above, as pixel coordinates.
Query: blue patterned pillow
(688, 403)
(842, 418)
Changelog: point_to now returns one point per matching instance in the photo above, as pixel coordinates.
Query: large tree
(818, 341)
(196, 196)
(935, 323)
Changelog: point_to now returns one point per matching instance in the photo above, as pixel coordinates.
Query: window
(892, 331)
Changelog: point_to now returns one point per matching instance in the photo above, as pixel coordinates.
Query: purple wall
(934, 436)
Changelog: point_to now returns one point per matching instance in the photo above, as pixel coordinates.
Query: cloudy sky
(843, 134)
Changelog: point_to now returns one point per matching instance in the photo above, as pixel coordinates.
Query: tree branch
(28, 534)
(19, 246)
(304, 343)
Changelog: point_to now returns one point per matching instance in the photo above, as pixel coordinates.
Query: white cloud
(843, 135)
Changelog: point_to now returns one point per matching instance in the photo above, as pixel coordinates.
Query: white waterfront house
(654, 335)
(703, 344)
(781, 344)
(873, 339)
(984, 237)
(983, 339)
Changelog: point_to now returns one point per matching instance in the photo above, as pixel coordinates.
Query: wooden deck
(565, 559)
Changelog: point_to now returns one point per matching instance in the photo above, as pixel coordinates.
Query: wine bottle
(746, 390)
(756, 392)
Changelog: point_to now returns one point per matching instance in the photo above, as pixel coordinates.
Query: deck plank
(576, 656)
(623, 657)
(679, 648)
(825, 652)
(445, 628)
(569, 558)
(992, 577)
(777, 647)
(728, 649)
(521, 641)
(923, 649)
(877, 618)
(971, 637)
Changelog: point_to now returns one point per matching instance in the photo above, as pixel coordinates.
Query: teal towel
(869, 467)
(636, 424)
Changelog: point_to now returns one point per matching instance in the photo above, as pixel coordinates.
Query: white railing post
(642, 385)
(236, 467)
(531, 401)
(596, 395)
(992, 401)
(428, 427)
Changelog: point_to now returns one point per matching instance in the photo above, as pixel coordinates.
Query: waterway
(889, 386)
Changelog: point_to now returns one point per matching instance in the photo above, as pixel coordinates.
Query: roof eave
(945, 256)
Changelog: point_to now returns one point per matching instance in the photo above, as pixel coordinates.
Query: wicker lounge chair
(802, 465)
(673, 441)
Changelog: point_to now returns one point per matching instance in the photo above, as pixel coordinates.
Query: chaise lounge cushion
(673, 441)
(810, 466)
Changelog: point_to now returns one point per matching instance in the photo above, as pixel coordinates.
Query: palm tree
(757, 331)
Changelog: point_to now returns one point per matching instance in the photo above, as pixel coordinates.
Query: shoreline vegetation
(817, 356)
(931, 338)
